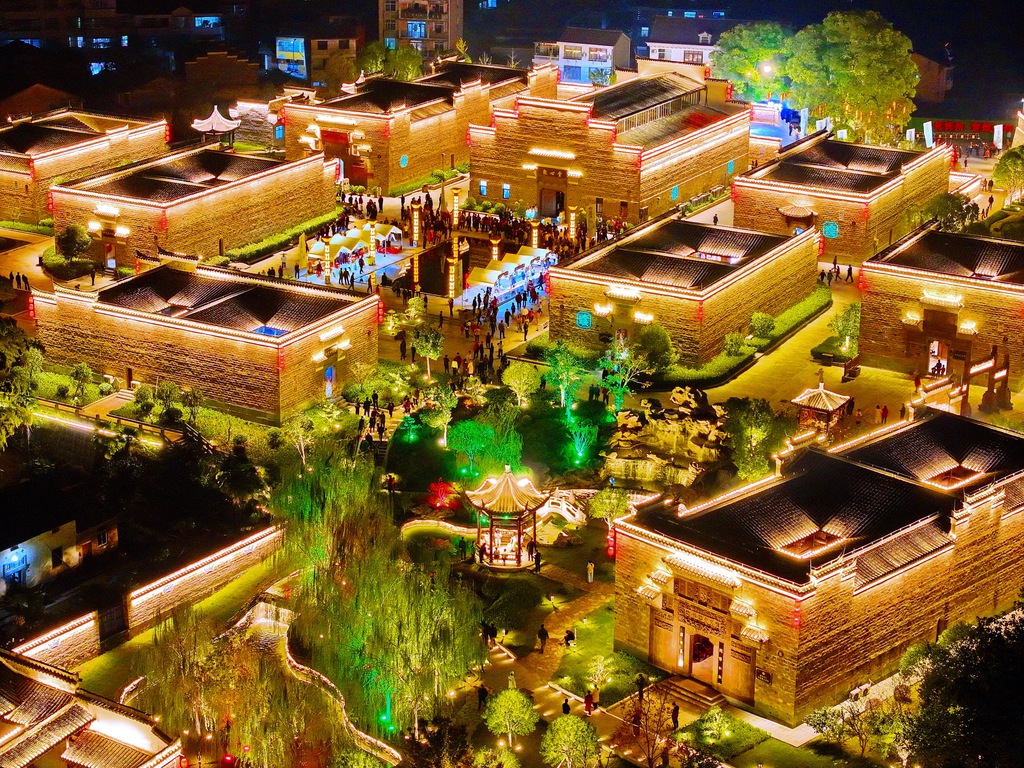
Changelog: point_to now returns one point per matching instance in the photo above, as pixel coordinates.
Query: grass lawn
(48, 381)
(775, 754)
(108, 673)
(722, 735)
(595, 638)
(594, 547)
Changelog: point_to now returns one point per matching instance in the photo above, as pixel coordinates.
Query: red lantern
(707, 71)
(700, 310)
(49, 201)
(31, 169)
(280, 359)
(281, 116)
(380, 311)
(547, 282)
(821, 245)
(31, 307)
(797, 619)
(162, 224)
(167, 133)
(728, 90)
(182, 761)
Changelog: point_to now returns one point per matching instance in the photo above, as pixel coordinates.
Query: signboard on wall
(763, 675)
(830, 229)
(584, 320)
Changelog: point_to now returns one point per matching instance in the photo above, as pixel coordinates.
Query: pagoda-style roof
(820, 399)
(507, 494)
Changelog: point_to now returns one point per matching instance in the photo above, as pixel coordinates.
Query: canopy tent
(317, 250)
(359, 234)
(353, 244)
(217, 124)
(500, 266)
(382, 230)
(528, 253)
(509, 504)
(480, 276)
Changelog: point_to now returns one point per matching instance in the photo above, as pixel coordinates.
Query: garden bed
(48, 382)
(833, 345)
(44, 227)
(595, 637)
(252, 252)
(63, 269)
(720, 734)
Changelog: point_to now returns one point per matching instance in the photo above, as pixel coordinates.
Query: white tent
(500, 266)
(353, 244)
(483, 277)
(527, 253)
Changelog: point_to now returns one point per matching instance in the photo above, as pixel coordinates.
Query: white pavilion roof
(507, 494)
(215, 123)
(820, 399)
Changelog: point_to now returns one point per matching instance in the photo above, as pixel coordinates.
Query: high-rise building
(430, 26)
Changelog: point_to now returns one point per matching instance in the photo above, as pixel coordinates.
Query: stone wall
(67, 646)
(771, 288)
(23, 193)
(237, 213)
(886, 341)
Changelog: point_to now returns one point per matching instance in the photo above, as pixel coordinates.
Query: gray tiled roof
(667, 254)
(94, 750)
(590, 36)
(824, 493)
(837, 165)
(901, 551)
(24, 749)
(33, 138)
(237, 304)
(180, 176)
(984, 258)
(679, 30)
(381, 95)
(635, 96)
(839, 179)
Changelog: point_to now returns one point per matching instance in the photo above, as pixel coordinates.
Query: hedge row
(44, 227)
(831, 346)
(62, 269)
(434, 177)
(268, 245)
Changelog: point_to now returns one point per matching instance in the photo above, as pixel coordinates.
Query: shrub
(63, 390)
(120, 272)
(655, 341)
(171, 415)
(73, 242)
(762, 324)
(500, 208)
(538, 347)
(274, 440)
(802, 311)
(62, 269)
(486, 205)
(257, 250)
(216, 261)
(37, 229)
(832, 346)
(463, 167)
(469, 204)
(733, 344)
(723, 735)
(106, 388)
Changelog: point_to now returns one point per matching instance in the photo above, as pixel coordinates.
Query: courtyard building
(628, 152)
(586, 56)
(47, 719)
(40, 151)
(698, 281)
(862, 198)
(257, 346)
(938, 303)
(200, 201)
(390, 133)
(787, 593)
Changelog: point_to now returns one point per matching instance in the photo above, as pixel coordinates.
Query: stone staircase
(690, 692)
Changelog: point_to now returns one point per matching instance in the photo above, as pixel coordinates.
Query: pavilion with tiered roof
(508, 506)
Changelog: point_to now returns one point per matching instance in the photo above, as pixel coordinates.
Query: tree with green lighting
(855, 68)
(753, 56)
(16, 378)
(624, 366)
(429, 342)
(405, 62)
(570, 741)
(438, 414)
(522, 378)
(755, 434)
(583, 434)
(609, 504)
(471, 438)
(1009, 173)
(372, 58)
(298, 430)
(567, 371)
(510, 713)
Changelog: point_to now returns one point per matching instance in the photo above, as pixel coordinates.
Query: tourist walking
(878, 414)
(885, 413)
(481, 696)
(590, 572)
(512, 680)
(675, 716)
(588, 704)
(566, 709)
(542, 635)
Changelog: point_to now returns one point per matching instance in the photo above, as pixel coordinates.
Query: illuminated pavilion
(510, 505)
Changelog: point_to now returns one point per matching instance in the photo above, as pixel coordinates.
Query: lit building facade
(630, 151)
(586, 56)
(199, 201)
(258, 346)
(698, 281)
(388, 133)
(862, 198)
(429, 26)
(39, 152)
(937, 303)
(787, 593)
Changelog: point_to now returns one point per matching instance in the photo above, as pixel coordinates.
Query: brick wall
(772, 288)
(239, 213)
(887, 342)
(23, 196)
(67, 646)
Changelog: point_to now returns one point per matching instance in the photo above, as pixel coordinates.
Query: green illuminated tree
(953, 210)
(429, 342)
(405, 62)
(81, 374)
(510, 712)
(439, 414)
(471, 438)
(846, 325)
(16, 376)
(584, 435)
(755, 433)
(855, 68)
(609, 504)
(567, 371)
(192, 398)
(657, 345)
(571, 742)
(753, 56)
(522, 378)
(496, 758)
(462, 49)
(372, 58)
(624, 367)
(1009, 172)
(74, 241)
(299, 431)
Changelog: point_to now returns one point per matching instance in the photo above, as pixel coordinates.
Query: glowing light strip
(83, 427)
(949, 299)
(558, 106)
(691, 152)
(903, 569)
(82, 622)
(93, 143)
(561, 154)
(331, 333)
(735, 493)
(738, 124)
(262, 537)
(944, 280)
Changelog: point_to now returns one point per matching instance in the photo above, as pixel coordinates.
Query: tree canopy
(609, 504)
(567, 370)
(855, 68)
(522, 378)
(570, 741)
(1009, 172)
(74, 241)
(471, 438)
(18, 367)
(753, 56)
(953, 210)
(429, 342)
(510, 713)
(755, 433)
